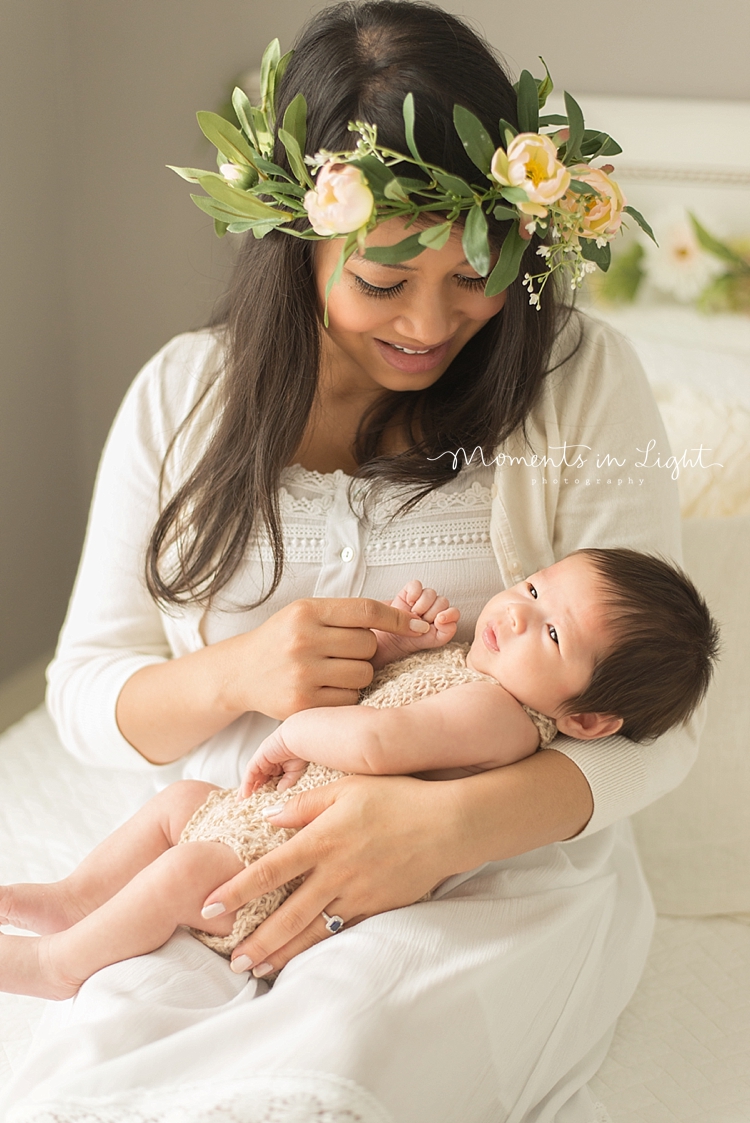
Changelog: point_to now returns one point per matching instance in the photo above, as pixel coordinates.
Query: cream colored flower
(531, 163)
(341, 201)
(678, 266)
(600, 215)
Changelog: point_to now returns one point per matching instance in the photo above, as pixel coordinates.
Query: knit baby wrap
(239, 823)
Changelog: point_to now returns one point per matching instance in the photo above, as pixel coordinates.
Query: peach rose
(601, 215)
(341, 201)
(531, 163)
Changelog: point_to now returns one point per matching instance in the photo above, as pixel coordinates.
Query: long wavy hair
(353, 61)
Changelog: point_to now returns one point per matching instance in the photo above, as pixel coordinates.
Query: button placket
(343, 571)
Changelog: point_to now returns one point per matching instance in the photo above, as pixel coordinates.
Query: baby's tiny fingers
(425, 603)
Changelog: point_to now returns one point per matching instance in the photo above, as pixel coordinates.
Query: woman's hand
(369, 844)
(313, 652)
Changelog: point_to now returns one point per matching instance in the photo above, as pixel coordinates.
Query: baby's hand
(272, 758)
(426, 605)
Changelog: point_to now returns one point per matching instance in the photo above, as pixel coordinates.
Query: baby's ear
(587, 727)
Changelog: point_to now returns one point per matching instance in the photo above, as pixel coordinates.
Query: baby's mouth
(489, 639)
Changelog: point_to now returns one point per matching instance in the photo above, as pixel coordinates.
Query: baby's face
(541, 638)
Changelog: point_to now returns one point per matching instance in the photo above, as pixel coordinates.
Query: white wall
(106, 257)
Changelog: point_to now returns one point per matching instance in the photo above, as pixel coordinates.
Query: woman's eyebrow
(399, 265)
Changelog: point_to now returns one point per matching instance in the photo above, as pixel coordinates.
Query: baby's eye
(532, 590)
(553, 634)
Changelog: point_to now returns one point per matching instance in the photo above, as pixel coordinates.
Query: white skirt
(495, 1002)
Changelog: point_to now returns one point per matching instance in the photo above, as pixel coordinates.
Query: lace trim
(277, 1097)
(455, 540)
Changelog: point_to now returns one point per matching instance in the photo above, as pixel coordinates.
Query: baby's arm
(428, 606)
(472, 728)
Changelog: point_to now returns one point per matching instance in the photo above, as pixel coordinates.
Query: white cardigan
(597, 405)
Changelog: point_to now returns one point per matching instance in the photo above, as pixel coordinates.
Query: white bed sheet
(680, 1054)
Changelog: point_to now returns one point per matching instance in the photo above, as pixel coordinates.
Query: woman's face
(398, 327)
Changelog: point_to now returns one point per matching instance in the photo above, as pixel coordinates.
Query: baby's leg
(110, 866)
(138, 919)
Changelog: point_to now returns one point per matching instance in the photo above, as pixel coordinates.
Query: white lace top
(335, 547)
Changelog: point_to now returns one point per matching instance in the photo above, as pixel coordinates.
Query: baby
(603, 641)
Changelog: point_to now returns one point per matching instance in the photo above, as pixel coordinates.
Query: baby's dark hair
(665, 649)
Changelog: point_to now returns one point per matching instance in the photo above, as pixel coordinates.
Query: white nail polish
(240, 963)
(215, 909)
(419, 626)
(262, 969)
(274, 809)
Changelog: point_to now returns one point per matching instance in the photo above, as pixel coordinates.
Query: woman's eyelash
(378, 292)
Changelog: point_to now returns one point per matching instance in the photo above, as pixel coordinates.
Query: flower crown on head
(540, 182)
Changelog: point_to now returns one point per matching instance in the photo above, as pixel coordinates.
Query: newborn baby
(603, 641)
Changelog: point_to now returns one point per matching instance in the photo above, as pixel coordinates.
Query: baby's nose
(517, 614)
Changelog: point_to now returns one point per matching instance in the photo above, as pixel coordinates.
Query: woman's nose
(428, 321)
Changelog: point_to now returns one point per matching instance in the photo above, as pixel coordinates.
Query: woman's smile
(410, 359)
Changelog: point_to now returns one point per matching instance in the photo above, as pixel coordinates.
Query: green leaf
(709, 242)
(377, 174)
(412, 186)
(552, 119)
(295, 120)
(295, 157)
(262, 130)
(347, 250)
(454, 185)
(408, 111)
(268, 64)
(216, 210)
(229, 140)
(220, 228)
(600, 255)
(508, 263)
(578, 187)
(503, 214)
(545, 85)
(598, 144)
(275, 82)
(514, 194)
(475, 243)
(268, 168)
(242, 203)
(404, 250)
(528, 103)
(505, 129)
(192, 175)
(395, 192)
(577, 128)
(243, 109)
(622, 281)
(435, 237)
(645, 226)
(474, 137)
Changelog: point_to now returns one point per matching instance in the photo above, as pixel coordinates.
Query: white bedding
(680, 1051)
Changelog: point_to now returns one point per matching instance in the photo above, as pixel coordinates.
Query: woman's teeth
(407, 351)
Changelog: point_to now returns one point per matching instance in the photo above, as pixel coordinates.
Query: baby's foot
(428, 606)
(39, 908)
(27, 966)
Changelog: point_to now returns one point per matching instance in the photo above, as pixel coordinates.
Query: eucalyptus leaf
(514, 194)
(528, 103)
(408, 111)
(216, 210)
(577, 128)
(262, 131)
(412, 186)
(504, 214)
(243, 109)
(275, 81)
(394, 191)
(192, 175)
(474, 137)
(377, 174)
(475, 242)
(269, 168)
(454, 185)
(545, 85)
(435, 237)
(600, 255)
(508, 263)
(404, 250)
(229, 140)
(242, 203)
(268, 64)
(220, 228)
(505, 129)
(295, 157)
(645, 226)
(295, 120)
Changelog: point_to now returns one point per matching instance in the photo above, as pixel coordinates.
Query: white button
(347, 554)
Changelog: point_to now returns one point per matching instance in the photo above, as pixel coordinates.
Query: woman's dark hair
(353, 61)
(666, 645)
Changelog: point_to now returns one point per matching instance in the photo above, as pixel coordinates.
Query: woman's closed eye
(376, 290)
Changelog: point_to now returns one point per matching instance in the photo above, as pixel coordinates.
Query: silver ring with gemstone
(334, 924)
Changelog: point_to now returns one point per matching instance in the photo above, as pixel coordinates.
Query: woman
(496, 1000)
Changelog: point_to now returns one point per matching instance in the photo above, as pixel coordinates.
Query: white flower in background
(341, 201)
(678, 266)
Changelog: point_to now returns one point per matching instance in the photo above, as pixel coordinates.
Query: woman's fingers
(297, 923)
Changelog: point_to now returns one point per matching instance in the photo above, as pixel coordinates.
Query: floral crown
(540, 182)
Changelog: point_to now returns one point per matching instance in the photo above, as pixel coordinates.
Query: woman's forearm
(166, 709)
(508, 811)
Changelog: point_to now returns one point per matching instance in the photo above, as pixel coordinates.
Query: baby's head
(604, 641)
